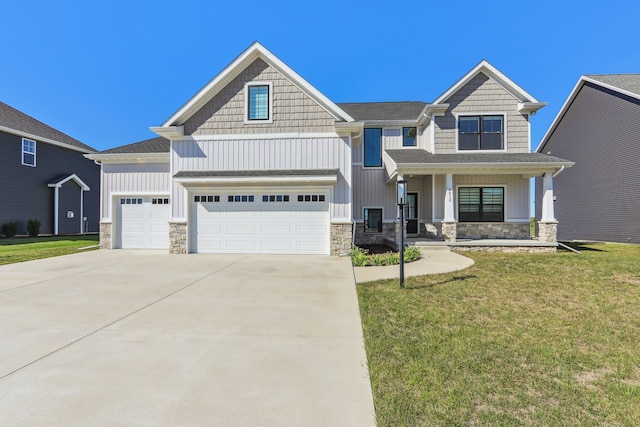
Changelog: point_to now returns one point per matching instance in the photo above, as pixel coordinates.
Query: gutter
(556, 173)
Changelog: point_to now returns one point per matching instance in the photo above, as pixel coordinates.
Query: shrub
(361, 258)
(358, 257)
(411, 253)
(10, 229)
(33, 227)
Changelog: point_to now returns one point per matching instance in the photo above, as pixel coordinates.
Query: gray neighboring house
(598, 127)
(45, 176)
(259, 161)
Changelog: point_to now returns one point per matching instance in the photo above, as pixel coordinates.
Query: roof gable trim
(73, 177)
(45, 140)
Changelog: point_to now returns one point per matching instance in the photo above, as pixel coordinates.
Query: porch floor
(418, 241)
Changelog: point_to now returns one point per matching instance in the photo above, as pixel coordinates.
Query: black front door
(411, 213)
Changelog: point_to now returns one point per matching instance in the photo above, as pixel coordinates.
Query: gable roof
(362, 111)
(531, 104)
(231, 71)
(625, 84)
(18, 123)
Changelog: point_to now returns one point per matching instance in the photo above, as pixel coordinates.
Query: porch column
(449, 228)
(548, 224)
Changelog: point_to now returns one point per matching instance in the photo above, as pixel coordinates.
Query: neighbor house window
(481, 204)
(409, 137)
(373, 147)
(28, 152)
(373, 220)
(481, 132)
(259, 102)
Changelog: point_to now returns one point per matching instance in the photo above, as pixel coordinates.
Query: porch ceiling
(418, 161)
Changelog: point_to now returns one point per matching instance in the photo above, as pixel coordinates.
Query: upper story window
(481, 132)
(28, 152)
(409, 137)
(259, 102)
(373, 147)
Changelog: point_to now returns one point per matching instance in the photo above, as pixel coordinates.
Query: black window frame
(366, 216)
(484, 140)
(365, 150)
(485, 210)
(405, 136)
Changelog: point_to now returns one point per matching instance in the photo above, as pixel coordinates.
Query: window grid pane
(258, 102)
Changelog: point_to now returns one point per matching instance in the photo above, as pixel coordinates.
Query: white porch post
(547, 199)
(448, 201)
(449, 226)
(548, 224)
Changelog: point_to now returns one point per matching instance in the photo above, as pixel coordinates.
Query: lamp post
(402, 201)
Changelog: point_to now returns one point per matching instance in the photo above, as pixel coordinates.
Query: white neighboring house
(259, 161)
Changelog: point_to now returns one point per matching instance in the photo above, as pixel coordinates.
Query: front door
(411, 213)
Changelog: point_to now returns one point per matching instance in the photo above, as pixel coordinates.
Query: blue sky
(104, 71)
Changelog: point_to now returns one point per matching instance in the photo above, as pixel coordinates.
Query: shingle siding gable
(293, 111)
(479, 95)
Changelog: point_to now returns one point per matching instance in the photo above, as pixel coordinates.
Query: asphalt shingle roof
(256, 173)
(20, 122)
(416, 155)
(628, 82)
(153, 145)
(362, 111)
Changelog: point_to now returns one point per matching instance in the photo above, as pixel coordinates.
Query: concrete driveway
(145, 338)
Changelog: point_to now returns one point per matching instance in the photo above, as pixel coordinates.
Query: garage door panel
(144, 224)
(269, 224)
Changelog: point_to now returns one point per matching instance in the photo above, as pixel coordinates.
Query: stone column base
(341, 234)
(177, 237)
(105, 235)
(449, 231)
(548, 231)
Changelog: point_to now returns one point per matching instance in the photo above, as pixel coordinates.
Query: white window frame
(23, 152)
(246, 103)
(480, 114)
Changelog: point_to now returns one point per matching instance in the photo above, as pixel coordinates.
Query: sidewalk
(433, 261)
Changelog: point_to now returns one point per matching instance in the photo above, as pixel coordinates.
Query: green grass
(516, 339)
(27, 249)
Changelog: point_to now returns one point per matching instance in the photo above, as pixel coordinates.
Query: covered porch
(476, 199)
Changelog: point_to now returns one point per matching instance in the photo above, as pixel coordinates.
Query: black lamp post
(402, 201)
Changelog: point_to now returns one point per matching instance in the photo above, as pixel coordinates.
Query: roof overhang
(60, 182)
(129, 157)
(530, 107)
(257, 177)
(169, 132)
(41, 139)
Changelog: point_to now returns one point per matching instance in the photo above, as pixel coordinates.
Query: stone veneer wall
(178, 237)
(105, 235)
(449, 231)
(388, 233)
(548, 231)
(508, 249)
(493, 230)
(341, 238)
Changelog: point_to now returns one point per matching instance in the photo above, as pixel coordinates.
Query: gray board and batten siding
(598, 198)
(25, 193)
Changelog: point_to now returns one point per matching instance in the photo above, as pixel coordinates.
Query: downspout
(81, 211)
(556, 173)
(55, 211)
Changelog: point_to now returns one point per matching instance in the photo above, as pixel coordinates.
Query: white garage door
(143, 222)
(277, 222)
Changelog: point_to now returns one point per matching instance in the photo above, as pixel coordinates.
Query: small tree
(10, 229)
(33, 227)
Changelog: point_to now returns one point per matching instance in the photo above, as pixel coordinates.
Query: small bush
(33, 227)
(360, 257)
(10, 229)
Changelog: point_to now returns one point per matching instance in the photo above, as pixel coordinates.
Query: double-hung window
(28, 152)
(372, 220)
(373, 147)
(481, 204)
(259, 102)
(481, 132)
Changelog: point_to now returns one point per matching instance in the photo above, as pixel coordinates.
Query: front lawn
(25, 249)
(516, 339)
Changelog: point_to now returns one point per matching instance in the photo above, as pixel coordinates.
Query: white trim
(298, 179)
(35, 151)
(494, 74)
(168, 132)
(74, 177)
(456, 205)
(56, 208)
(269, 118)
(480, 115)
(130, 157)
(45, 140)
(255, 136)
(253, 52)
(82, 212)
